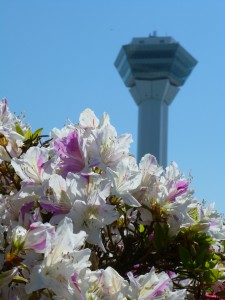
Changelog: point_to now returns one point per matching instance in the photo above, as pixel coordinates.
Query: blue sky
(57, 58)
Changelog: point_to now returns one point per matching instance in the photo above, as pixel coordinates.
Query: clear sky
(57, 58)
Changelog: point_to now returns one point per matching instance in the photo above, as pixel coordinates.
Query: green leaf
(28, 134)
(23, 266)
(193, 213)
(193, 251)
(161, 236)
(19, 129)
(200, 259)
(185, 257)
(211, 276)
(213, 263)
(141, 228)
(37, 133)
(19, 279)
(223, 244)
(216, 257)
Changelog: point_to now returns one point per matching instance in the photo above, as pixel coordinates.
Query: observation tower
(153, 69)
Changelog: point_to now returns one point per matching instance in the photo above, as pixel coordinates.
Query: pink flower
(38, 236)
(217, 288)
(178, 189)
(70, 153)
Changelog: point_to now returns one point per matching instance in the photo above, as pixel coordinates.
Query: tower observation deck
(153, 69)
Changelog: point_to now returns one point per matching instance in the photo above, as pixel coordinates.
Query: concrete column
(153, 98)
(152, 129)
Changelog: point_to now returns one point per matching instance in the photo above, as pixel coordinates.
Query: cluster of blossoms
(80, 219)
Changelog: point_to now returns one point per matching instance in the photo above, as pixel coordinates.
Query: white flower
(30, 167)
(149, 168)
(85, 185)
(88, 119)
(90, 212)
(58, 197)
(106, 149)
(107, 284)
(153, 286)
(61, 133)
(7, 119)
(62, 259)
(91, 216)
(18, 235)
(124, 181)
(8, 123)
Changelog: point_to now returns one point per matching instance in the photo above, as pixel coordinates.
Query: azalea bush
(80, 219)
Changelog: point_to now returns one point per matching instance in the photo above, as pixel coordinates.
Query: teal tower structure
(154, 69)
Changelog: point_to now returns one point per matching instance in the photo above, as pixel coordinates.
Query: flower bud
(3, 140)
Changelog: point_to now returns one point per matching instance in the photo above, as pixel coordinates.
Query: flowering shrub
(80, 219)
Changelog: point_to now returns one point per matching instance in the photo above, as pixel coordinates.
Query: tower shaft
(152, 129)
(153, 98)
